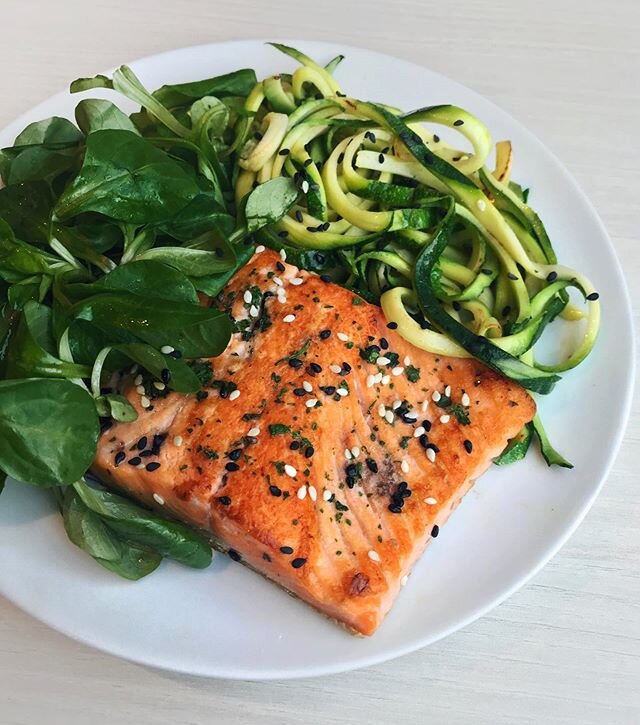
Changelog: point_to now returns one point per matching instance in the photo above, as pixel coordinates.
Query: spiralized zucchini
(450, 249)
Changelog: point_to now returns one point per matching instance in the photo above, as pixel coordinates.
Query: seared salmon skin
(324, 451)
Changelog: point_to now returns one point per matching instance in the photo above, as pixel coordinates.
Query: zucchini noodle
(450, 250)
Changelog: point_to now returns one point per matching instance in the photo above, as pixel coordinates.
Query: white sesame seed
(404, 467)
(342, 336)
(425, 405)
(134, 370)
(371, 381)
(382, 410)
(377, 378)
(247, 296)
(335, 369)
(307, 386)
(277, 280)
(382, 360)
(140, 389)
(397, 371)
(326, 495)
(254, 311)
(311, 403)
(302, 492)
(140, 466)
(389, 416)
(304, 186)
(407, 360)
(145, 402)
(445, 418)
(296, 281)
(447, 391)
(419, 432)
(234, 395)
(411, 415)
(466, 400)
(260, 248)
(159, 386)
(254, 432)
(385, 380)
(313, 494)
(404, 580)
(138, 380)
(158, 499)
(431, 454)
(177, 441)
(347, 454)
(431, 501)
(435, 396)
(283, 255)
(396, 404)
(373, 555)
(290, 470)
(167, 349)
(342, 392)
(481, 204)
(288, 318)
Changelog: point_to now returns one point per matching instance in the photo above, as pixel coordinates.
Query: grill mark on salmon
(258, 493)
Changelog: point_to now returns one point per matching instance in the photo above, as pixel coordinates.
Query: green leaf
(213, 284)
(238, 83)
(149, 278)
(127, 178)
(34, 448)
(117, 407)
(86, 84)
(145, 529)
(192, 262)
(269, 202)
(97, 114)
(209, 116)
(183, 379)
(27, 209)
(3, 480)
(201, 215)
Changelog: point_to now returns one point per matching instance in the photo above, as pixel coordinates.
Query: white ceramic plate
(228, 622)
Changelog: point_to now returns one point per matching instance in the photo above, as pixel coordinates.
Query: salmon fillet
(324, 451)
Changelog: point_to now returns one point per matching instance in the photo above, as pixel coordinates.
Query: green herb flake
(413, 373)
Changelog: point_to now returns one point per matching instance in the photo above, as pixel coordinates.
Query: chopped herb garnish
(413, 373)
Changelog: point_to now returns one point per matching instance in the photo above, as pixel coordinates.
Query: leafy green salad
(113, 227)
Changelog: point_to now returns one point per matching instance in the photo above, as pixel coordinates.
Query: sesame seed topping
(447, 391)
(158, 499)
(373, 555)
(404, 580)
(234, 395)
(297, 563)
(166, 349)
(431, 454)
(382, 410)
(290, 470)
(326, 495)
(311, 403)
(424, 406)
(325, 334)
(407, 360)
(138, 380)
(140, 389)
(254, 311)
(397, 371)
(277, 281)
(342, 392)
(253, 432)
(411, 415)
(435, 396)
(286, 550)
(153, 466)
(283, 255)
(355, 451)
(481, 204)
(260, 248)
(431, 501)
(465, 400)
(313, 494)
(335, 369)
(247, 296)
(233, 555)
(593, 297)
(377, 378)
(307, 386)
(302, 492)
(347, 454)
(288, 318)
(342, 336)
(371, 381)
(296, 281)
(145, 402)
(419, 431)
(385, 380)
(383, 360)
(445, 418)
(404, 467)
(159, 386)
(305, 186)
(177, 441)
(435, 531)
(389, 416)
(468, 446)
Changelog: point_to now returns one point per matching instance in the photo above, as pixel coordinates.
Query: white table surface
(565, 649)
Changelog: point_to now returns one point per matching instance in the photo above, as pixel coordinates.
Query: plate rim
(367, 660)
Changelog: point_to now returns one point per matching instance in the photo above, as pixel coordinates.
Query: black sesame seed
(165, 376)
(351, 469)
(135, 461)
(295, 362)
(434, 447)
(424, 441)
(176, 354)
(314, 367)
(403, 486)
(309, 451)
(280, 267)
(283, 152)
(235, 454)
(552, 276)
(459, 122)
(457, 306)
(513, 276)
(233, 555)
(328, 389)
(395, 508)
(340, 158)
(284, 233)
(339, 94)
(294, 445)
(424, 325)
(406, 493)
(308, 162)
(258, 136)
(506, 310)
(346, 368)
(392, 325)
(299, 215)
(436, 138)
(300, 392)
(324, 227)
(397, 499)
(286, 550)
(325, 334)
(384, 343)
(351, 481)
(486, 270)
(266, 557)
(142, 443)
(381, 158)
(325, 278)
(468, 446)
(371, 465)
(120, 456)
(297, 563)
(435, 531)
(426, 424)
(151, 467)
(231, 466)
(224, 500)
(593, 297)
(319, 257)
(146, 454)
(275, 491)
(314, 187)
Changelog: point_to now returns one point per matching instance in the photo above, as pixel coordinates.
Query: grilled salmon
(323, 450)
